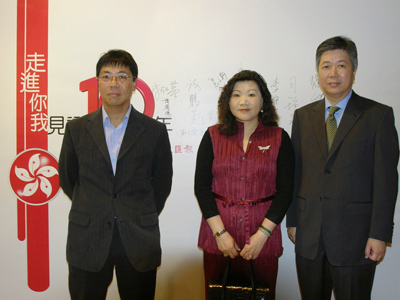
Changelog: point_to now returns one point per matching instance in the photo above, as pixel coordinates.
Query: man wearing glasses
(116, 167)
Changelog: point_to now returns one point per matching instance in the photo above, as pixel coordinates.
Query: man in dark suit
(116, 167)
(341, 217)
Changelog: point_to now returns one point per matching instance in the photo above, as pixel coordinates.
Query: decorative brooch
(264, 148)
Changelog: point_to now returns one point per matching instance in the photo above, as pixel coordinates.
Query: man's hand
(375, 250)
(291, 231)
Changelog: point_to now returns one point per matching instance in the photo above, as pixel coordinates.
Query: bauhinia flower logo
(38, 175)
(34, 176)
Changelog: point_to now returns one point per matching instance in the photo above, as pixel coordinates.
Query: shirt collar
(106, 118)
(342, 103)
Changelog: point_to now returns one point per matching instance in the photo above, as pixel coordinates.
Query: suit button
(109, 223)
(327, 171)
(115, 196)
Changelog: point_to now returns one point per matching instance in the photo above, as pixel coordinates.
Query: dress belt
(247, 200)
(226, 203)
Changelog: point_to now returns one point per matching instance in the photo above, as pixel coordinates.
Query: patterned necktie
(331, 126)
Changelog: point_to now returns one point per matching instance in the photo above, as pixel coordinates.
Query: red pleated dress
(244, 184)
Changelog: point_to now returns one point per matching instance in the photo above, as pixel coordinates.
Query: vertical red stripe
(21, 220)
(20, 106)
(38, 247)
(32, 38)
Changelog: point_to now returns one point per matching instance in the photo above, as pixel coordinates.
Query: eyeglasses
(122, 78)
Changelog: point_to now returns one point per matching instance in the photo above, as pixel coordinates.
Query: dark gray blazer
(350, 193)
(134, 197)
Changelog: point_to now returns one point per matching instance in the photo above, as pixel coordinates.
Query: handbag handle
(226, 275)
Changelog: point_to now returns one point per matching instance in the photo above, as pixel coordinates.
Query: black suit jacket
(350, 193)
(134, 197)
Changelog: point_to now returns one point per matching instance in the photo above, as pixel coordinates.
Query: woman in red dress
(244, 183)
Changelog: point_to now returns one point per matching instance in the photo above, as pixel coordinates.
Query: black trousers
(132, 284)
(317, 278)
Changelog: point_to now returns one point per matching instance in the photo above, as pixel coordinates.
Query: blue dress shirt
(114, 136)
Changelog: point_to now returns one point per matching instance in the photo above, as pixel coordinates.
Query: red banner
(33, 175)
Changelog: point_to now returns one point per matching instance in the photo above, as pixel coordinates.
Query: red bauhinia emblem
(34, 177)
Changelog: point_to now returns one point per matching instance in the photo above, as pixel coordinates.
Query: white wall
(179, 43)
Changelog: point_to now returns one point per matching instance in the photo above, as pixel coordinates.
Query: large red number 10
(94, 101)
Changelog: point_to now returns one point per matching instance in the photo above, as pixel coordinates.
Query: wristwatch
(219, 233)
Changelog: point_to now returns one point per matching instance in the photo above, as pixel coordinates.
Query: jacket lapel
(317, 119)
(350, 116)
(96, 131)
(132, 133)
